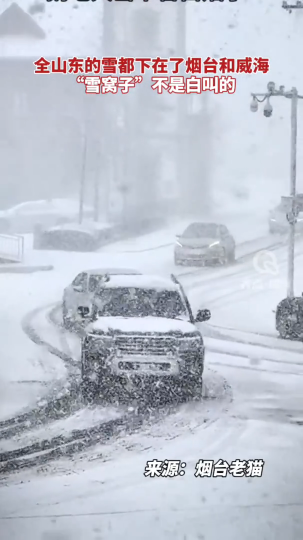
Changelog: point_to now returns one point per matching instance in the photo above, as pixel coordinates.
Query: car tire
(232, 256)
(103, 387)
(224, 258)
(283, 333)
(192, 388)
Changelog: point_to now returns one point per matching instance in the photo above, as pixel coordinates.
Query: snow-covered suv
(143, 332)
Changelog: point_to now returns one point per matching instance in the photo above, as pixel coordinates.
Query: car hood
(197, 242)
(140, 325)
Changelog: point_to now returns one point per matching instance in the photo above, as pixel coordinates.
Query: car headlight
(214, 244)
(179, 244)
(98, 339)
(190, 343)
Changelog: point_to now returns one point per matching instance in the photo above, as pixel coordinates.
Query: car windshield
(201, 230)
(133, 302)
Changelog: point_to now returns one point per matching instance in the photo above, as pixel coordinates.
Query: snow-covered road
(103, 493)
(107, 496)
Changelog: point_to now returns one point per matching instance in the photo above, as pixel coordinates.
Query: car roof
(71, 227)
(112, 271)
(142, 281)
(203, 224)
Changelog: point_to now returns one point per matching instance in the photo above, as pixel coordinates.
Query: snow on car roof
(142, 281)
(71, 227)
(201, 224)
(112, 271)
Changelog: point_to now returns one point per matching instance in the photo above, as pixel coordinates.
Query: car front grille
(157, 346)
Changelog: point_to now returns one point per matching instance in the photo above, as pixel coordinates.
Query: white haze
(251, 152)
(243, 162)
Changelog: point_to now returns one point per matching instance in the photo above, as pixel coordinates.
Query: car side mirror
(203, 315)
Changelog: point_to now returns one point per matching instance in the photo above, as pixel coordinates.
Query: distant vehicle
(278, 223)
(203, 243)
(78, 296)
(145, 333)
(289, 318)
(24, 217)
(67, 237)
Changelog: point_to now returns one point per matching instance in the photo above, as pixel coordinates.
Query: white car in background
(278, 222)
(78, 296)
(24, 217)
(205, 243)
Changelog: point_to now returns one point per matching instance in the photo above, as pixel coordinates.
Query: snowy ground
(102, 493)
(149, 253)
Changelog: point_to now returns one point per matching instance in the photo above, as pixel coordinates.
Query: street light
(290, 7)
(293, 210)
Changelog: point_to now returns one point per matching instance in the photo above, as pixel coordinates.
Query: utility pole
(96, 196)
(181, 141)
(293, 181)
(292, 199)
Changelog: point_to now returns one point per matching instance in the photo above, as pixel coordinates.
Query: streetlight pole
(293, 182)
(293, 210)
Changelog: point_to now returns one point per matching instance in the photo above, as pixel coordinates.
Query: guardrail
(11, 248)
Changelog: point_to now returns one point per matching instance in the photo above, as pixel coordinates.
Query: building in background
(43, 116)
(163, 140)
(143, 150)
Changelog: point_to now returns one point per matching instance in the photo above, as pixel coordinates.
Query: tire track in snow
(60, 401)
(66, 445)
(46, 450)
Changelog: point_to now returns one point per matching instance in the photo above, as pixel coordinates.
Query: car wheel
(197, 390)
(192, 388)
(224, 257)
(102, 386)
(283, 333)
(232, 256)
